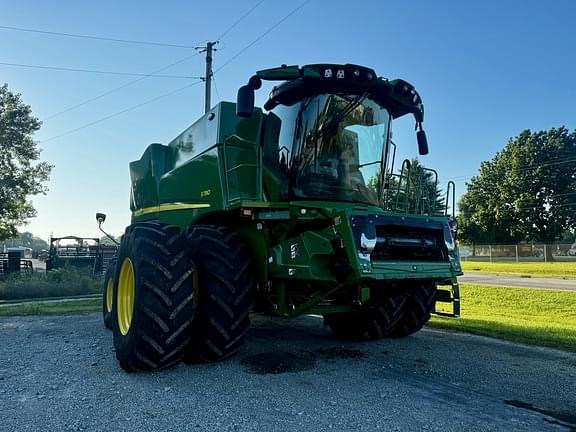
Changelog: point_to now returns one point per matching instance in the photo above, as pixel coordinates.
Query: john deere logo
(294, 252)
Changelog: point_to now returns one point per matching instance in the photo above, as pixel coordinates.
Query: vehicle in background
(79, 252)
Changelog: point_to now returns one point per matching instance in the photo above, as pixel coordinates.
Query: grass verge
(63, 282)
(553, 269)
(531, 316)
(52, 308)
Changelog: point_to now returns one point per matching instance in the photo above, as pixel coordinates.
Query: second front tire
(397, 315)
(374, 321)
(226, 284)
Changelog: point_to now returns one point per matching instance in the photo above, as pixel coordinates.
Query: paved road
(517, 281)
(59, 373)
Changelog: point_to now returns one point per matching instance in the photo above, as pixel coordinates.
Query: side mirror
(245, 101)
(422, 142)
(101, 217)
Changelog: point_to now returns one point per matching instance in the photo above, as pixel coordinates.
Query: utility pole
(208, 49)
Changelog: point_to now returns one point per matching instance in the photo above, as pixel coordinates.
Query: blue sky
(485, 70)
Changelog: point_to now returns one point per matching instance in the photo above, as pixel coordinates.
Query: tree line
(527, 192)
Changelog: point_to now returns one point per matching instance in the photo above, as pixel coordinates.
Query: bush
(62, 282)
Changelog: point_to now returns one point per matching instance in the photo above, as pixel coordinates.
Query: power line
(93, 71)
(239, 53)
(162, 69)
(216, 88)
(115, 89)
(538, 207)
(553, 162)
(522, 168)
(239, 20)
(131, 108)
(176, 90)
(209, 49)
(101, 38)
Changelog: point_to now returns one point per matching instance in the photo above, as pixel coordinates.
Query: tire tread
(226, 286)
(165, 302)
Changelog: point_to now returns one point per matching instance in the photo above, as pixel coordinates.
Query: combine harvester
(288, 211)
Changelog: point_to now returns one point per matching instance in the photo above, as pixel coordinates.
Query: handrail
(393, 158)
(405, 164)
(453, 188)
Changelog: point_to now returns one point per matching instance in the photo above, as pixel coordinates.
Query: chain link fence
(519, 252)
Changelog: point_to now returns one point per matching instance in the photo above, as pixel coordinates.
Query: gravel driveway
(59, 373)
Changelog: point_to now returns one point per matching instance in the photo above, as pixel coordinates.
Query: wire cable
(216, 88)
(115, 89)
(181, 88)
(239, 53)
(521, 168)
(131, 108)
(239, 20)
(101, 38)
(94, 71)
(157, 71)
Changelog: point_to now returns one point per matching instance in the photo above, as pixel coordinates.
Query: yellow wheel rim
(126, 294)
(195, 283)
(109, 294)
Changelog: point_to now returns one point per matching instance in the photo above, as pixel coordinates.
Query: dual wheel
(175, 296)
(400, 314)
(172, 296)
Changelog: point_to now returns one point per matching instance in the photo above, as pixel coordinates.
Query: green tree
(526, 192)
(21, 175)
(27, 239)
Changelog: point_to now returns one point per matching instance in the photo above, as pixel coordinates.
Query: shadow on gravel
(562, 419)
(284, 362)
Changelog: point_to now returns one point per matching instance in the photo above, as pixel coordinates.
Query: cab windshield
(338, 148)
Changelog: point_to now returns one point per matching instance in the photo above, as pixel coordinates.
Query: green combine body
(291, 211)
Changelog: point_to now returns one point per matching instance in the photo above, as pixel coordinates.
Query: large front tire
(226, 286)
(153, 297)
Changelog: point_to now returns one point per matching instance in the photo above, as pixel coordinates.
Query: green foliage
(19, 176)
(27, 239)
(526, 192)
(531, 316)
(61, 282)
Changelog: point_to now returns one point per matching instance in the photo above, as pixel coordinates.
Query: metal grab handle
(451, 187)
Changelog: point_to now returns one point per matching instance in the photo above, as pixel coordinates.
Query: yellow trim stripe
(168, 207)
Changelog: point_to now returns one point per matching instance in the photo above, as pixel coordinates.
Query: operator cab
(335, 152)
(335, 128)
